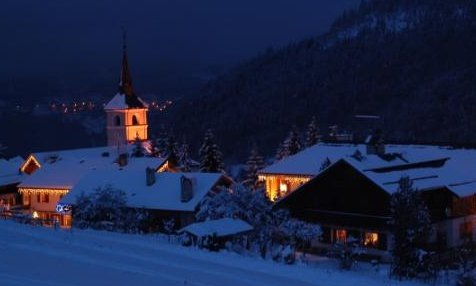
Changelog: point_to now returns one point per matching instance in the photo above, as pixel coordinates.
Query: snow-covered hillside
(42, 256)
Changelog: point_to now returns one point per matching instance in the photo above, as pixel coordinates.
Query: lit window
(371, 239)
(341, 235)
(283, 187)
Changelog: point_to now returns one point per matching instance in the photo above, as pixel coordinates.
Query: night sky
(80, 41)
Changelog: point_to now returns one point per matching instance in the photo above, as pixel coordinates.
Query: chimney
(149, 176)
(186, 188)
(375, 143)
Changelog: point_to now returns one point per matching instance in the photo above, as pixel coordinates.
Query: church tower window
(128, 113)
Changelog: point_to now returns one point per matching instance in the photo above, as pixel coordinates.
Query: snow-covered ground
(43, 256)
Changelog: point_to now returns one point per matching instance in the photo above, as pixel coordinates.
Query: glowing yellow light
(283, 187)
(25, 165)
(35, 215)
(164, 167)
(341, 235)
(371, 238)
(27, 191)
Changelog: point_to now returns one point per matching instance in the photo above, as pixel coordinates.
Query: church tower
(126, 113)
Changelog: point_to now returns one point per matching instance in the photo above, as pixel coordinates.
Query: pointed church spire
(125, 85)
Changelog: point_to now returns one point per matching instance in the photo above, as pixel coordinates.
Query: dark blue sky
(82, 39)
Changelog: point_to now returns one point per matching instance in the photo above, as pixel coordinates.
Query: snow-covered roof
(119, 102)
(454, 170)
(164, 194)
(308, 162)
(63, 169)
(10, 171)
(50, 157)
(219, 227)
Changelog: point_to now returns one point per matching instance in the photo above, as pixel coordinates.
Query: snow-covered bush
(106, 209)
(347, 254)
(272, 227)
(467, 265)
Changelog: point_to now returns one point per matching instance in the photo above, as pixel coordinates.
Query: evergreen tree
(171, 150)
(154, 149)
(290, 146)
(312, 134)
(138, 150)
(411, 226)
(210, 155)
(282, 151)
(162, 142)
(326, 163)
(184, 158)
(294, 144)
(254, 163)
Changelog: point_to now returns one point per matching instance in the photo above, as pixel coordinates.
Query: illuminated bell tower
(126, 113)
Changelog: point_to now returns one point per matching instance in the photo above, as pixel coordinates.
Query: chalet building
(165, 195)
(10, 177)
(350, 199)
(54, 174)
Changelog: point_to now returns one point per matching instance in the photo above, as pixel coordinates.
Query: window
(371, 239)
(26, 199)
(45, 198)
(283, 187)
(38, 197)
(134, 120)
(341, 235)
(117, 120)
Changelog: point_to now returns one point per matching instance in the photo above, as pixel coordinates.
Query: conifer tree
(312, 134)
(210, 155)
(184, 158)
(254, 163)
(171, 150)
(282, 151)
(154, 149)
(290, 146)
(162, 142)
(326, 163)
(294, 144)
(411, 226)
(138, 150)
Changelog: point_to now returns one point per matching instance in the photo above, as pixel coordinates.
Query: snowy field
(42, 256)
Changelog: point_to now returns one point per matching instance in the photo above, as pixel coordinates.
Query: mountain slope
(410, 62)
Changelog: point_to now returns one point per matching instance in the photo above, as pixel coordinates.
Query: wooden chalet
(350, 199)
(10, 177)
(164, 195)
(53, 174)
